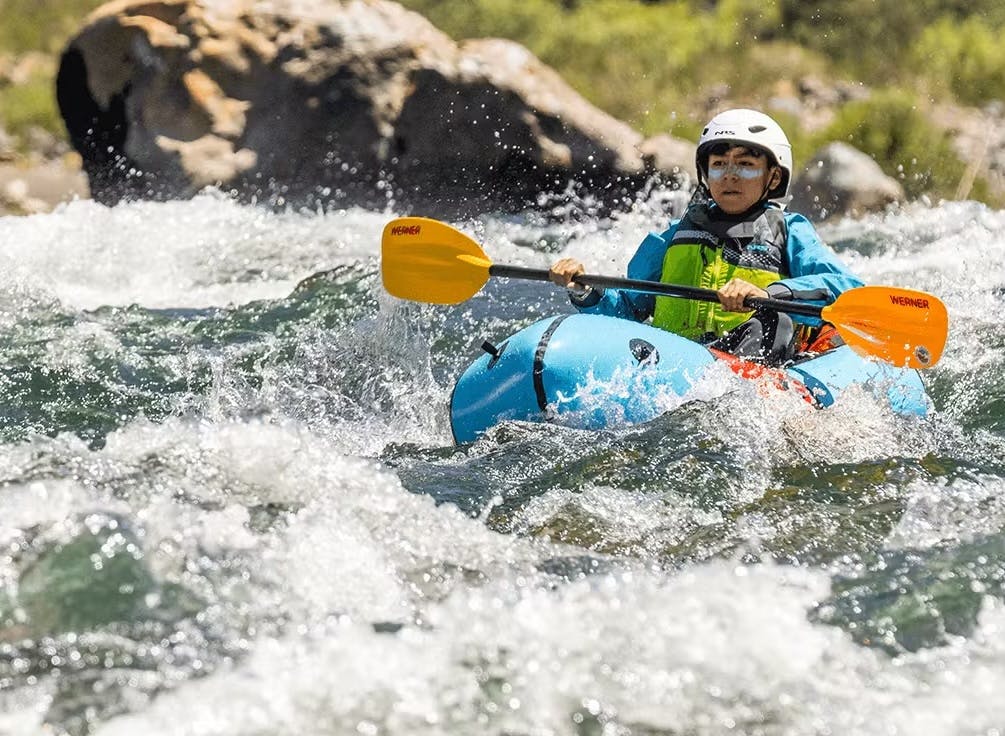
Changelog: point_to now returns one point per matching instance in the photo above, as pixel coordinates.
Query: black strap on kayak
(542, 346)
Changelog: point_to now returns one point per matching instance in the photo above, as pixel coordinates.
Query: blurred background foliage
(40, 25)
(666, 65)
(627, 55)
(32, 34)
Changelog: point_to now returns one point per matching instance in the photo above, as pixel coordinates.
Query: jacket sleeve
(817, 275)
(647, 265)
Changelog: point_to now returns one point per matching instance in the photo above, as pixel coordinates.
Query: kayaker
(735, 237)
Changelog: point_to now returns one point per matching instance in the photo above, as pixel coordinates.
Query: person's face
(739, 178)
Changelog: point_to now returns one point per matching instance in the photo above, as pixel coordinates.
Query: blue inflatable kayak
(591, 371)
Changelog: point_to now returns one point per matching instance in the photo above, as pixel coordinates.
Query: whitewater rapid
(231, 503)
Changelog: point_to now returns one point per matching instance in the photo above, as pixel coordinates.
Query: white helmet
(747, 128)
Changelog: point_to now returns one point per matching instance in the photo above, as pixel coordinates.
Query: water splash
(216, 420)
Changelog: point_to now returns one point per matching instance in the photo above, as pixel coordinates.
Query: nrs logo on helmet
(752, 129)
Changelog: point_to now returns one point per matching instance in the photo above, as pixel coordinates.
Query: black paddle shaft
(655, 287)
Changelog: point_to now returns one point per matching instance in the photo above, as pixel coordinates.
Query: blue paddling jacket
(778, 251)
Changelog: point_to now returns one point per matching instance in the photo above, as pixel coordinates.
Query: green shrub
(964, 59)
(867, 38)
(635, 61)
(748, 20)
(30, 104)
(890, 128)
(40, 25)
(644, 63)
(463, 19)
(656, 63)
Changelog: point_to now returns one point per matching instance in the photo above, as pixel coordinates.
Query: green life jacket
(707, 252)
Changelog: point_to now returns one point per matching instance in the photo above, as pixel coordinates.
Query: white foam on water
(209, 251)
(519, 658)
(488, 643)
(351, 540)
(356, 387)
(717, 648)
(22, 711)
(953, 251)
(629, 522)
(772, 426)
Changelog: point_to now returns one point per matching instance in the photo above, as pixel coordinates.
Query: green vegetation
(874, 39)
(35, 26)
(650, 62)
(642, 62)
(965, 60)
(40, 25)
(663, 65)
(30, 104)
(889, 127)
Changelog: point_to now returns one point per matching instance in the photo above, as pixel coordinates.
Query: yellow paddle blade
(904, 327)
(428, 261)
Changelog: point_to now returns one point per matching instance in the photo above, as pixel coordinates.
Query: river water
(231, 503)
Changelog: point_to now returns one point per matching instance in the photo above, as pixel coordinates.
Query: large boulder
(338, 102)
(841, 180)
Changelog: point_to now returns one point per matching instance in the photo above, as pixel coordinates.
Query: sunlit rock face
(355, 102)
(841, 180)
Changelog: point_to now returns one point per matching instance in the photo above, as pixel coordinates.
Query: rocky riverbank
(38, 168)
(30, 185)
(367, 103)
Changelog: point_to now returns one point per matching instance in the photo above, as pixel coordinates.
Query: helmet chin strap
(770, 184)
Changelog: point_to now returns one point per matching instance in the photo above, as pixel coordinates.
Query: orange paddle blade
(428, 261)
(904, 327)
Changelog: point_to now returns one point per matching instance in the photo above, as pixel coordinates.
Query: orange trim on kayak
(764, 375)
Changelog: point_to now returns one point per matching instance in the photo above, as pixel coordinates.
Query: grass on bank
(40, 25)
(664, 65)
(891, 128)
(32, 104)
(28, 26)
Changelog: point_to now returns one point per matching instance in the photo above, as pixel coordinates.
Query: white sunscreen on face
(744, 172)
